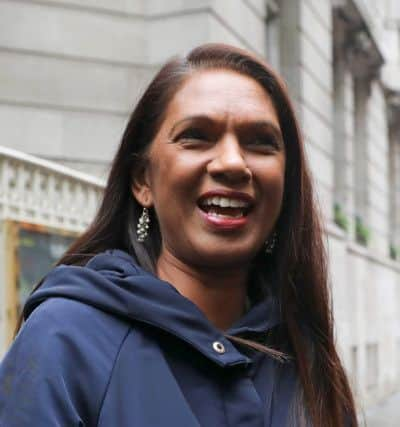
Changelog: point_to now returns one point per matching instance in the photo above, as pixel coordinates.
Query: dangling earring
(143, 226)
(270, 243)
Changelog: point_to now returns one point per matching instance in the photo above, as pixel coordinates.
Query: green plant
(394, 252)
(340, 217)
(363, 233)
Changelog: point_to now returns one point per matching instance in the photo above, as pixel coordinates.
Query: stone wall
(70, 72)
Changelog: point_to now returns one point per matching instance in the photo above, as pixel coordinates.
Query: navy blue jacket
(109, 344)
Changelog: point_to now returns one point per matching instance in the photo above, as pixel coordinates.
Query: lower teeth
(218, 215)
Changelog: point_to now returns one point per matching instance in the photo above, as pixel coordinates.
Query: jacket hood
(114, 283)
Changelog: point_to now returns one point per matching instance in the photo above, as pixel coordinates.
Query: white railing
(41, 192)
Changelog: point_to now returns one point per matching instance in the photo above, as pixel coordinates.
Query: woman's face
(216, 170)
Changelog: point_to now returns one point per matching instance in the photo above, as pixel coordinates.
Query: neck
(220, 294)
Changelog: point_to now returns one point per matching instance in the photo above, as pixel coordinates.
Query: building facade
(71, 71)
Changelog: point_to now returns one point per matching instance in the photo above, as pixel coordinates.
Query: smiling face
(215, 175)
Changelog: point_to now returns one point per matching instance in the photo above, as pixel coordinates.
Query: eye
(192, 134)
(263, 142)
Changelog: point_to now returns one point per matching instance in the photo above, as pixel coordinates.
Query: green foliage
(394, 252)
(363, 233)
(340, 217)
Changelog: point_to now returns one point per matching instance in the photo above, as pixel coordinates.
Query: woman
(198, 296)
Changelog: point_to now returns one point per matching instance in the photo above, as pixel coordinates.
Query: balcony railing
(41, 192)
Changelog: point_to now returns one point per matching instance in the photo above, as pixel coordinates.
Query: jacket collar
(113, 283)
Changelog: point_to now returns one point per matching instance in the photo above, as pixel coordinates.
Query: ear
(141, 189)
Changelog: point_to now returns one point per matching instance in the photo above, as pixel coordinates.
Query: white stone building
(71, 70)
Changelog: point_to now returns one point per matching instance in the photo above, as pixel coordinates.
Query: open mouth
(224, 207)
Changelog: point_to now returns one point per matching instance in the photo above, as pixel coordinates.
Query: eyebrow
(202, 118)
(261, 124)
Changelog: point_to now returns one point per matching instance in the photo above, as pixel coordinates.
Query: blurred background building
(71, 71)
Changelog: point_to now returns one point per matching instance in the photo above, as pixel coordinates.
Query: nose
(229, 162)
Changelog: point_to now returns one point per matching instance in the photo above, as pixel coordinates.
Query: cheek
(273, 177)
(173, 186)
(177, 172)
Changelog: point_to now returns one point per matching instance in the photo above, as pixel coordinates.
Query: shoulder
(68, 322)
(59, 364)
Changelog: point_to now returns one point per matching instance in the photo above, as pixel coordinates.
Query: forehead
(222, 94)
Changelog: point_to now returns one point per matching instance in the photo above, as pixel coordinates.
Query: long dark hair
(299, 261)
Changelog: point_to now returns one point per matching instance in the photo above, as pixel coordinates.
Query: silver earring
(270, 243)
(143, 226)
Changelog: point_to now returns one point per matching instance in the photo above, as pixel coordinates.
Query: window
(398, 357)
(372, 365)
(361, 99)
(394, 188)
(354, 366)
(273, 44)
(343, 141)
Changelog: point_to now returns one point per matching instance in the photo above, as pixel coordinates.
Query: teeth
(218, 215)
(225, 202)
(237, 203)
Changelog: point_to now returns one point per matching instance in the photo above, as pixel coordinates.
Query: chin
(224, 258)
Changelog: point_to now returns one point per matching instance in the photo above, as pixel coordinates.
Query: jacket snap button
(218, 347)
